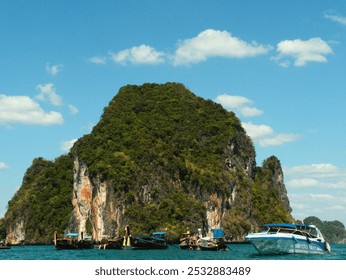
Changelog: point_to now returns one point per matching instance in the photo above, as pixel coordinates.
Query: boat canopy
(280, 225)
(218, 232)
(72, 234)
(159, 233)
(293, 226)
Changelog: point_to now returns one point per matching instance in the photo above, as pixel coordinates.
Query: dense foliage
(266, 195)
(166, 127)
(44, 199)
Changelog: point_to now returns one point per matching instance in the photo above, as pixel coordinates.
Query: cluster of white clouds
(262, 134)
(28, 110)
(215, 43)
(317, 189)
(25, 110)
(324, 175)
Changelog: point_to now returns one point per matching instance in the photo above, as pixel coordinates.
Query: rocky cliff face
(94, 205)
(16, 232)
(278, 181)
(160, 158)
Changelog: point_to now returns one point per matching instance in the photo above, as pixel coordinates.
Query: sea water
(234, 252)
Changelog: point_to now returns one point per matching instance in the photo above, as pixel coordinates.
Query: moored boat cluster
(155, 241)
(273, 239)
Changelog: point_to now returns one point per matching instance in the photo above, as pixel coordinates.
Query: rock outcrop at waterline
(159, 158)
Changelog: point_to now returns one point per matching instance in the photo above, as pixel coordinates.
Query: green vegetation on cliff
(43, 202)
(159, 127)
(170, 158)
(266, 195)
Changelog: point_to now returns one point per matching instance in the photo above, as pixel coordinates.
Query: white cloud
(257, 131)
(47, 92)
(317, 170)
(142, 54)
(215, 43)
(302, 52)
(247, 111)
(265, 136)
(326, 206)
(53, 70)
(335, 18)
(67, 145)
(339, 208)
(3, 166)
(232, 101)
(318, 197)
(278, 140)
(239, 104)
(322, 176)
(208, 43)
(22, 109)
(304, 182)
(98, 59)
(73, 109)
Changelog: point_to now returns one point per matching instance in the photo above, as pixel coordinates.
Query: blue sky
(279, 65)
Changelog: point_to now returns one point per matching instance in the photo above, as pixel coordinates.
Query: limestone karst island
(160, 158)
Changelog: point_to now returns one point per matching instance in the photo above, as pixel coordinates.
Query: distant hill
(159, 158)
(333, 231)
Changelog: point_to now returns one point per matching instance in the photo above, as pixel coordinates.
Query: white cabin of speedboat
(289, 239)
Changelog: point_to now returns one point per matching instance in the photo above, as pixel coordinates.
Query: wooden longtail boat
(70, 241)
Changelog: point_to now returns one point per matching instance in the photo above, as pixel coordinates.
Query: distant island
(160, 158)
(333, 231)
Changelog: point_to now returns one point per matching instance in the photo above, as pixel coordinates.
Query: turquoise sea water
(234, 252)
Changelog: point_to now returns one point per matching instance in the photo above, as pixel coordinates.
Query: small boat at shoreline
(278, 239)
(215, 243)
(111, 243)
(188, 241)
(117, 243)
(70, 241)
(156, 241)
(211, 244)
(4, 245)
(192, 242)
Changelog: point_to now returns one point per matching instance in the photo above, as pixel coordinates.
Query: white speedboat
(289, 239)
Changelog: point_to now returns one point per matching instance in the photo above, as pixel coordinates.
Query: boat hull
(146, 243)
(212, 245)
(67, 244)
(117, 244)
(186, 245)
(279, 245)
